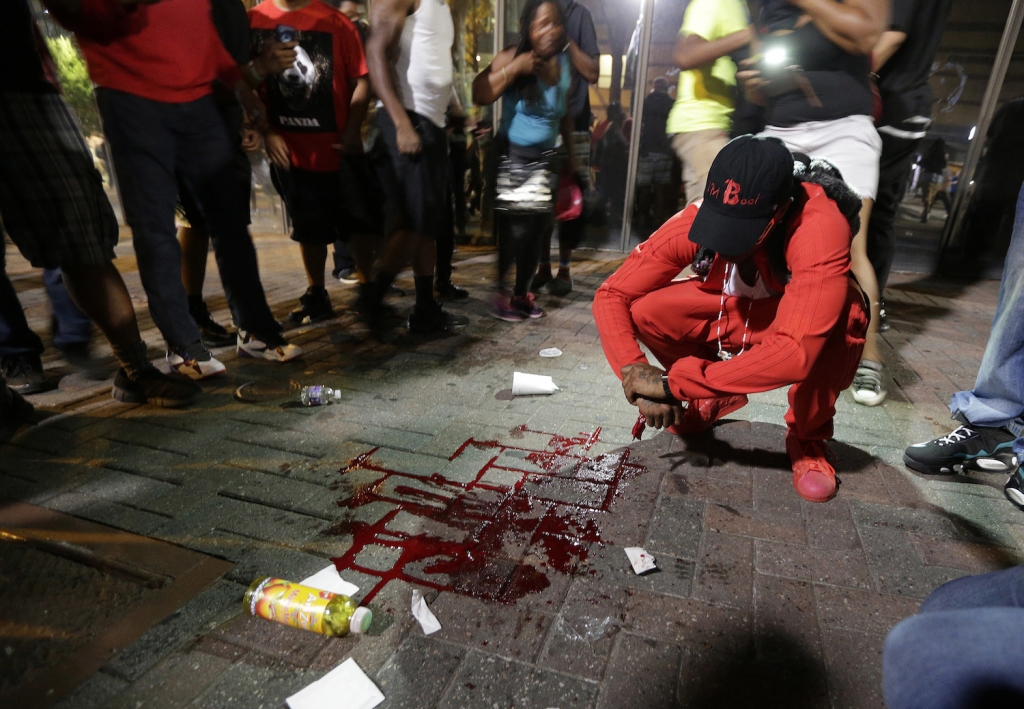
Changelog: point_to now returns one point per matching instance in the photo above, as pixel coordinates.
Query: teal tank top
(533, 118)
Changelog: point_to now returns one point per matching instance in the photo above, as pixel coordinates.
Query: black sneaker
(433, 318)
(14, 410)
(314, 306)
(450, 291)
(24, 374)
(213, 333)
(988, 450)
(153, 386)
(1014, 489)
(883, 317)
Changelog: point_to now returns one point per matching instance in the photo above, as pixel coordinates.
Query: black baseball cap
(749, 180)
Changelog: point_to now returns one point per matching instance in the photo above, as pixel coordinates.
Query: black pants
(154, 145)
(519, 242)
(894, 169)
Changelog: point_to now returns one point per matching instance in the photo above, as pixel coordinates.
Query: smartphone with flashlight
(284, 33)
(782, 75)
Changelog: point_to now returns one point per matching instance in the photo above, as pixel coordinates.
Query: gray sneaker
(24, 374)
(868, 388)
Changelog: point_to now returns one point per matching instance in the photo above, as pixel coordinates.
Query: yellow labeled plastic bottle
(305, 607)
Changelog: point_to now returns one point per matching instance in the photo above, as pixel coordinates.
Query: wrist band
(664, 384)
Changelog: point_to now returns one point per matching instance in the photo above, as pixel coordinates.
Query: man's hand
(407, 138)
(349, 143)
(642, 381)
(255, 111)
(752, 82)
(276, 57)
(277, 150)
(251, 140)
(660, 415)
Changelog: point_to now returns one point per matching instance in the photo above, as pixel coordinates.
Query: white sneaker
(868, 388)
(279, 350)
(195, 362)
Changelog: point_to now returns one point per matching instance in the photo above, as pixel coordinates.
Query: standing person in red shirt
(773, 304)
(315, 107)
(154, 64)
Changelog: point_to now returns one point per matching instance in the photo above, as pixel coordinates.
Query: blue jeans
(963, 650)
(154, 144)
(998, 395)
(70, 326)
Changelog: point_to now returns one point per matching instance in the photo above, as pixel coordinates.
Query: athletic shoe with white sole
(868, 388)
(274, 348)
(988, 450)
(195, 361)
(1014, 489)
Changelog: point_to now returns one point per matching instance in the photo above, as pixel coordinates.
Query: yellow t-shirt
(704, 99)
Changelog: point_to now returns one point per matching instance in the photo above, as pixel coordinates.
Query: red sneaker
(813, 475)
(702, 413)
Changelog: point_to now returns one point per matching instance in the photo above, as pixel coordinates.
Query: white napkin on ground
(344, 687)
(641, 560)
(421, 612)
(329, 580)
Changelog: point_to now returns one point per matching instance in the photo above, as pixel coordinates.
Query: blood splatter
(494, 541)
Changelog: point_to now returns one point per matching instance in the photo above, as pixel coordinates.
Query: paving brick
(967, 556)
(725, 570)
(895, 566)
(610, 565)
(863, 611)
(95, 693)
(579, 646)
(216, 604)
(418, 673)
(854, 662)
(900, 519)
(501, 630)
(687, 621)
(676, 527)
(641, 672)
(173, 683)
(255, 686)
(831, 526)
(486, 680)
(846, 568)
(758, 523)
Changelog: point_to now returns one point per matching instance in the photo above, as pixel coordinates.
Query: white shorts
(851, 144)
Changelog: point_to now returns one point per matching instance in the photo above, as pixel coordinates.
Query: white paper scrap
(524, 384)
(551, 352)
(328, 579)
(344, 687)
(641, 560)
(421, 612)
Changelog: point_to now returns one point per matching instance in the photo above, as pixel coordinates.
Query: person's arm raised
(692, 50)
(492, 82)
(854, 25)
(387, 19)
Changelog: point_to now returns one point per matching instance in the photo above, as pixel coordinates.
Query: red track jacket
(817, 254)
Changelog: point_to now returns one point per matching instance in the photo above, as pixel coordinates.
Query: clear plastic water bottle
(318, 395)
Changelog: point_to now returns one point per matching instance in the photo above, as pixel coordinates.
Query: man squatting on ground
(772, 303)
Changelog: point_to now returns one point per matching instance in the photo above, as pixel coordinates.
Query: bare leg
(314, 258)
(100, 293)
(865, 274)
(195, 246)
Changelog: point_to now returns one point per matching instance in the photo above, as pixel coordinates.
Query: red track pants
(682, 320)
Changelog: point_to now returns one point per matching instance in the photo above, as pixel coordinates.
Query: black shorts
(416, 186)
(51, 196)
(313, 200)
(361, 193)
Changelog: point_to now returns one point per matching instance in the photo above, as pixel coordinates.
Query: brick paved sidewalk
(511, 514)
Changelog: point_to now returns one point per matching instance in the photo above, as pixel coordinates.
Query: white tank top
(424, 67)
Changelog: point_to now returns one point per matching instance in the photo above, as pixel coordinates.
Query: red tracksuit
(810, 336)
